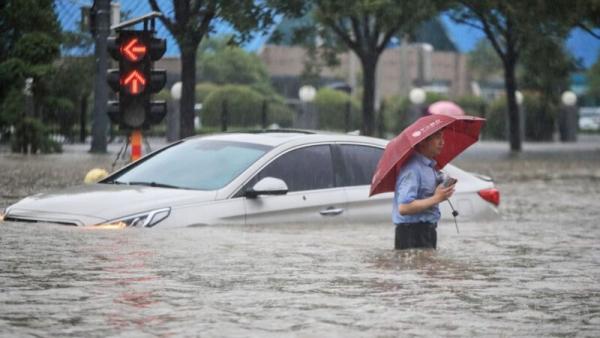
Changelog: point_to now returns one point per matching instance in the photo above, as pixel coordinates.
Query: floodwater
(534, 272)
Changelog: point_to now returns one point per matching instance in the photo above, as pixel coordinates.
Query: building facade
(399, 69)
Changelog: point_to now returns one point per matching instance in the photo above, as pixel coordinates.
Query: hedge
(332, 106)
(244, 108)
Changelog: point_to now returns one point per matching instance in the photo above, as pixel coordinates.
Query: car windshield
(194, 164)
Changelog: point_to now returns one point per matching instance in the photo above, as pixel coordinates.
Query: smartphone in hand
(450, 181)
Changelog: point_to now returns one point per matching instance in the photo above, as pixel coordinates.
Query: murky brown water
(536, 272)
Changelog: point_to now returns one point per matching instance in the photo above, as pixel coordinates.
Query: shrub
(472, 105)
(495, 126)
(31, 135)
(434, 97)
(540, 116)
(396, 113)
(332, 106)
(244, 108)
(280, 113)
(399, 113)
(204, 89)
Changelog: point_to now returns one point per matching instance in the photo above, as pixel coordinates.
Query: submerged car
(245, 178)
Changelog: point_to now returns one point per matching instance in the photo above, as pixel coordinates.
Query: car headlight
(146, 219)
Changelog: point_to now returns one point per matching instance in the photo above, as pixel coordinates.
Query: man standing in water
(417, 196)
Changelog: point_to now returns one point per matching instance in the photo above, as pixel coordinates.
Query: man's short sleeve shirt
(416, 180)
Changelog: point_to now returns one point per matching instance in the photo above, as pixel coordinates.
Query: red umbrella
(445, 108)
(459, 133)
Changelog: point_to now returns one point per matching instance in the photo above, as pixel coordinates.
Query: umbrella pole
(454, 213)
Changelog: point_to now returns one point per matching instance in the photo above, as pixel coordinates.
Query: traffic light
(136, 79)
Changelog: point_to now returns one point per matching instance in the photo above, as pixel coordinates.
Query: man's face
(433, 145)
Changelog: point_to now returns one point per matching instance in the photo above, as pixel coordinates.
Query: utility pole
(100, 117)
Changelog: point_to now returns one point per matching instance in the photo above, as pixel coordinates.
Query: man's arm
(441, 194)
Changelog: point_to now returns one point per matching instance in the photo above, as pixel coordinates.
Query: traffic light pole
(100, 119)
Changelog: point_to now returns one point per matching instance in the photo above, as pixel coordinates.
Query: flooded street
(534, 272)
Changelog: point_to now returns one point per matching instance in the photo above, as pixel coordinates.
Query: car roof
(275, 138)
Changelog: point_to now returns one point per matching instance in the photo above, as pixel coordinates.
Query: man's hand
(441, 194)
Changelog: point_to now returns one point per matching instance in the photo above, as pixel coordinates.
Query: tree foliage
(26, 48)
(366, 27)
(511, 27)
(190, 21)
(484, 63)
(29, 43)
(593, 75)
(221, 63)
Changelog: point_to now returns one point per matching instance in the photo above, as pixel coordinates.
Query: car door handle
(331, 211)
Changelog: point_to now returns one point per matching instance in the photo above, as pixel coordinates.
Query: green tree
(192, 20)
(366, 27)
(510, 27)
(67, 100)
(221, 63)
(26, 51)
(584, 14)
(593, 75)
(545, 81)
(484, 63)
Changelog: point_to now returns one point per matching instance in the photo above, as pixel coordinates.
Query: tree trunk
(369, 67)
(514, 121)
(188, 95)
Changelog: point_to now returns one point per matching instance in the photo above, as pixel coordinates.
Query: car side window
(306, 168)
(359, 163)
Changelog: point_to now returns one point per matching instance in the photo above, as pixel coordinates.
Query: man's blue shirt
(417, 180)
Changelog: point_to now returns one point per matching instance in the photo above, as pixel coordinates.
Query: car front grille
(26, 220)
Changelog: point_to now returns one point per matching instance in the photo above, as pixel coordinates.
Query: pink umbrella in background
(445, 108)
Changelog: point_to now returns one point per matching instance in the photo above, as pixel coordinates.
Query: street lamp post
(568, 117)
(28, 91)
(417, 97)
(173, 113)
(522, 115)
(306, 116)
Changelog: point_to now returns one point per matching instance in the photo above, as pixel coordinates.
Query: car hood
(96, 203)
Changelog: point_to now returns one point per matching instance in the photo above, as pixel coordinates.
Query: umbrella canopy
(445, 108)
(459, 133)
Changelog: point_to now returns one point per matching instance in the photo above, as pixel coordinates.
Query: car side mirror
(268, 186)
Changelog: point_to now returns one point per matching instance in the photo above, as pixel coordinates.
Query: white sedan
(245, 178)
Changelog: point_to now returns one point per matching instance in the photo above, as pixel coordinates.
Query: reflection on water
(500, 278)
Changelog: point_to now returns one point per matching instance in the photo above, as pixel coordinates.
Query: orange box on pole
(136, 144)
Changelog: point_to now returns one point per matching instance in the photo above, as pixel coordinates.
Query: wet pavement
(534, 272)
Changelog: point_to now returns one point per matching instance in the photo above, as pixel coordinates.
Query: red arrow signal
(133, 50)
(134, 82)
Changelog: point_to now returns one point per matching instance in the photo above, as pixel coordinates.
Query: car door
(313, 195)
(357, 164)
